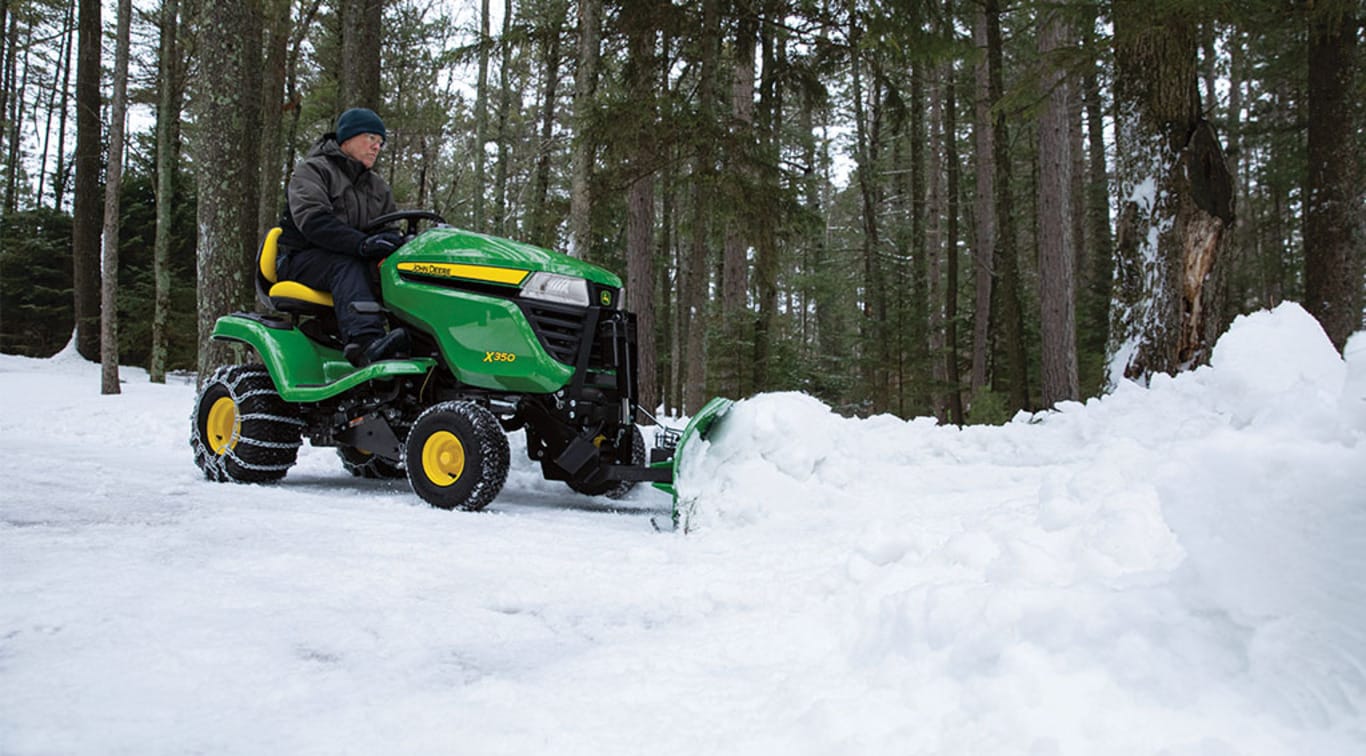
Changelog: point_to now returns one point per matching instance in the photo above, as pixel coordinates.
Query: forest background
(962, 208)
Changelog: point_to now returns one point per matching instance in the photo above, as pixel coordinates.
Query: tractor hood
(452, 252)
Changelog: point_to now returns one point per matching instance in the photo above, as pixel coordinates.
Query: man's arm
(310, 205)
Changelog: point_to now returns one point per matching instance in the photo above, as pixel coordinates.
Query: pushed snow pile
(1181, 566)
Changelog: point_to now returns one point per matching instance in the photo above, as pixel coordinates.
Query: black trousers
(349, 278)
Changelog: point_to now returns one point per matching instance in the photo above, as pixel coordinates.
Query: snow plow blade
(703, 425)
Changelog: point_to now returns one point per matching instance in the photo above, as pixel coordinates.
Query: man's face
(363, 148)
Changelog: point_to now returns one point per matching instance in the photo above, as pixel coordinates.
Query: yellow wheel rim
(222, 426)
(443, 458)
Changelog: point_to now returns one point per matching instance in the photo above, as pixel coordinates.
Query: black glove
(380, 245)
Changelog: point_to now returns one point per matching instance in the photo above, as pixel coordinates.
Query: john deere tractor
(505, 336)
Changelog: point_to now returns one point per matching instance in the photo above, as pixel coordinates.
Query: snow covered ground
(1173, 569)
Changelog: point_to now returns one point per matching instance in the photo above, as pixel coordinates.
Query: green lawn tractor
(505, 336)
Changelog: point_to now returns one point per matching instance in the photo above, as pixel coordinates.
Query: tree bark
(585, 86)
(501, 170)
(984, 210)
(742, 213)
(167, 137)
(640, 199)
(1010, 323)
(481, 117)
(362, 22)
(86, 221)
(272, 159)
(693, 316)
(1057, 298)
(226, 210)
(109, 291)
(542, 227)
(1176, 192)
(1333, 231)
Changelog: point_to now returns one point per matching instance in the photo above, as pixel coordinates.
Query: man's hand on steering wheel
(380, 245)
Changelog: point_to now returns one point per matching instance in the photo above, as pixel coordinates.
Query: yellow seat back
(286, 290)
(270, 249)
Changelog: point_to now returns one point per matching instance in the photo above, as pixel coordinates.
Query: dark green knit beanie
(359, 121)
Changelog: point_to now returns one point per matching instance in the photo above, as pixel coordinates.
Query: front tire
(242, 431)
(457, 456)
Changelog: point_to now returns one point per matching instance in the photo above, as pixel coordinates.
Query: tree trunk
(225, 206)
(693, 309)
(1006, 262)
(934, 240)
(362, 21)
(768, 263)
(955, 381)
(640, 198)
(1057, 298)
(874, 306)
(167, 135)
(984, 211)
(585, 86)
(271, 161)
(1177, 197)
(500, 180)
(86, 220)
(109, 292)
(742, 214)
(481, 117)
(1333, 230)
(542, 226)
(1098, 273)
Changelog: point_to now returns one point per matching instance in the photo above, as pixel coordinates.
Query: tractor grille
(560, 329)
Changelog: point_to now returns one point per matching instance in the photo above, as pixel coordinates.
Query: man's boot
(392, 344)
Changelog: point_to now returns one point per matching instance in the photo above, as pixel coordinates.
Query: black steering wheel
(411, 216)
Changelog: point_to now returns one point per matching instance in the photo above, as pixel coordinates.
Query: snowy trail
(1175, 569)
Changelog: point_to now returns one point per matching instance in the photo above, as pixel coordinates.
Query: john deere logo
(606, 298)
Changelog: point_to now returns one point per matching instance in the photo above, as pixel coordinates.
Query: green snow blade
(702, 425)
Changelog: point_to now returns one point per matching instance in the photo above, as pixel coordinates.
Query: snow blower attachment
(505, 336)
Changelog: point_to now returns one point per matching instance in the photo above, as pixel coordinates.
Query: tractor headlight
(553, 287)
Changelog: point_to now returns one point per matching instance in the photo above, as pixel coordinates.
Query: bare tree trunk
(109, 292)
(1010, 323)
(500, 180)
(952, 377)
(271, 161)
(226, 209)
(742, 213)
(693, 310)
(935, 235)
(1098, 272)
(481, 117)
(1333, 231)
(767, 263)
(585, 86)
(362, 21)
(1057, 297)
(1176, 193)
(542, 227)
(640, 199)
(984, 210)
(85, 235)
(167, 130)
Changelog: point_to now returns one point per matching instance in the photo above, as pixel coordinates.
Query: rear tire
(242, 431)
(615, 489)
(457, 456)
(363, 464)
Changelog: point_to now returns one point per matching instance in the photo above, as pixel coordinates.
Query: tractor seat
(285, 296)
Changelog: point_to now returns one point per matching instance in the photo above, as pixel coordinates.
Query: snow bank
(1180, 555)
